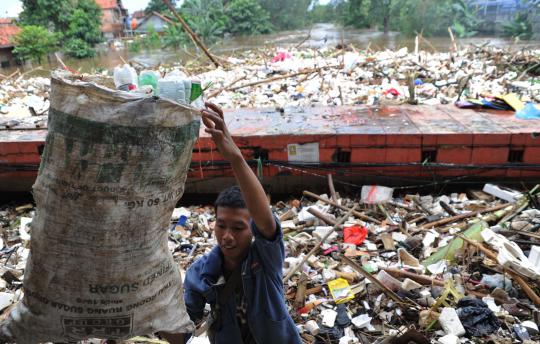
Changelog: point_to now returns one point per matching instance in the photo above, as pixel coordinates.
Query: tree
(158, 6)
(205, 17)
(381, 10)
(33, 42)
(247, 17)
(520, 27)
(354, 12)
(76, 22)
(287, 14)
(175, 36)
(52, 14)
(84, 30)
(322, 13)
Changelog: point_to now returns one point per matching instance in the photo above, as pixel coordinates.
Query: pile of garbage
(377, 267)
(308, 77)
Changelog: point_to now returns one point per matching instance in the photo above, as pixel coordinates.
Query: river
(320, 35)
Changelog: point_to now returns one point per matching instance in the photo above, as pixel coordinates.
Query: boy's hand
(214, 121)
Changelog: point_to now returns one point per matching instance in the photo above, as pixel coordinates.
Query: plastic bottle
(172, 88)
(196, 98)
(124, 77)
(149, 78)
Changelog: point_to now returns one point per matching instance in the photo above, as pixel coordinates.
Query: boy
(240, 278)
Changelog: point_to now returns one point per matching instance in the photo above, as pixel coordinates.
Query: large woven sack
(113, 168)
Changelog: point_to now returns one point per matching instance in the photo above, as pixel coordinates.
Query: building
(496, 12)
(156, 20)
(112, 20)
(8, 29)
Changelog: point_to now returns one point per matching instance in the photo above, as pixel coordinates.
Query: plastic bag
(476, 317)
(355, 235)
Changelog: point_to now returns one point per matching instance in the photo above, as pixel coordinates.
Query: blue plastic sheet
(530, 111)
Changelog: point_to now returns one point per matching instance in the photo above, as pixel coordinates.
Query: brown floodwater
(320, 35)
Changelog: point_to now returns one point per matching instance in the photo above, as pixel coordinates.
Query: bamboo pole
(275, 78)
(192, 34)
(522, 283)
(331, 183)
(372, 279)
(342, 207)
(318, 214)
(317, 246)
(217, 92)
(464, 216)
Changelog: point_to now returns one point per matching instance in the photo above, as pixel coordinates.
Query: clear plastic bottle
(125, 77)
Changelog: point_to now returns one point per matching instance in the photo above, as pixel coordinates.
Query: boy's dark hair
(231, 197)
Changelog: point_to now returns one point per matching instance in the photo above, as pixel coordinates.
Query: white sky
(12, 8)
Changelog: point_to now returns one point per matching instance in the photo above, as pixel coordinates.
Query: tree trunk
(386, 23)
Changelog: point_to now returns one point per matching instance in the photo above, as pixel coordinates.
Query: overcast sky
(12, 8)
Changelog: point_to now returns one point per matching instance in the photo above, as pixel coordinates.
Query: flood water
(320, 35)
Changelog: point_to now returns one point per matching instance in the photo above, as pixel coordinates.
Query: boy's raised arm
(252, 190)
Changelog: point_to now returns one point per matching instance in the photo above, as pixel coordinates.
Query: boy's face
(232, 231)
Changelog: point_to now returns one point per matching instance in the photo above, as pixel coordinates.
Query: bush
(34, 42)
(247, 17)
(152, 39)
(76, 47)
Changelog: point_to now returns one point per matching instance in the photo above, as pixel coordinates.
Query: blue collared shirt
(268, 318)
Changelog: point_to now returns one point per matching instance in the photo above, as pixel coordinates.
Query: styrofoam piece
(408, 285)
(177, 212)
(490, 302)
(321, 231)
(312, 327)
(534, 256)
(329, 317)
(6, 299)
(506, 194)
(437, 268)
(449, 339)
(361, 321)
(532, 328)
(450, 322)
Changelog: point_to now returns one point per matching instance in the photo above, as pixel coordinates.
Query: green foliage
(158, 6)
(151, 40)
(465, 21)
(174, 37)
(76, 22)
(84, 30)
(520, 27)
(76, 47)
(34, 42)
(287, 14)
(247, 17)
(135, 46)
(206, 18)
(52, 14)
(322, 13)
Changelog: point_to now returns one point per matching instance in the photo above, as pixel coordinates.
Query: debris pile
(328, 76)
(378, 268)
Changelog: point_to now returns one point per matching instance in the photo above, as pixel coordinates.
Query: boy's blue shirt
(268, 318)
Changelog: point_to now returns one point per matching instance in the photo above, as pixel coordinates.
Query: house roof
(164, 17)
(6, 32)
(6, 21)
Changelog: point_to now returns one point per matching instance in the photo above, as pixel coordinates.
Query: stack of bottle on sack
(175, 86)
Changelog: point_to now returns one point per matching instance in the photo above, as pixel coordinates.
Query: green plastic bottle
(148, 77)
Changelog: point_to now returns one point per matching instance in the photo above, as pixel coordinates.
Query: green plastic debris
(448, 252)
